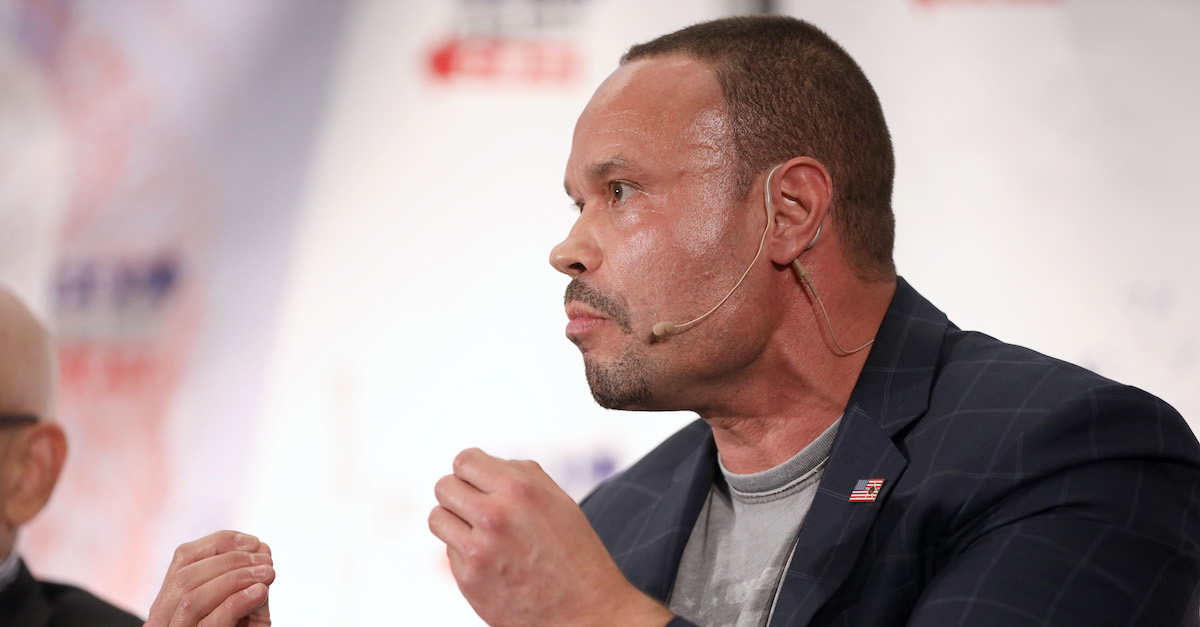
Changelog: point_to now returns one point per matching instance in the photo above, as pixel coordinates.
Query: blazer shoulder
(993, 396)
(1017, 442)
(978, 370)
(72, 606)
(656, 470)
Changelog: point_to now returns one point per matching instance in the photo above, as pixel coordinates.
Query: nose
(577, 254)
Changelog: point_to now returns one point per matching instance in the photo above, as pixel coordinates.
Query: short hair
(790, 90)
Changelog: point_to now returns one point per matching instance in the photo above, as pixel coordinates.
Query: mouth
(582, 319)
(589, 309)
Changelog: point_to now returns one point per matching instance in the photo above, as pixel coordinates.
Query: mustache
(578, 291)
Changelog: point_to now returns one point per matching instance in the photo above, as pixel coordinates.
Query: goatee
(620, 385)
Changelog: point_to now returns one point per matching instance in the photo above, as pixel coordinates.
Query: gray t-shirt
(743, 539)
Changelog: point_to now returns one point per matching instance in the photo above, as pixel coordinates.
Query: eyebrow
(601, 169)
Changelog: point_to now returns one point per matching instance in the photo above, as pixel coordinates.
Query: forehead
(670, 83)
(667, 106)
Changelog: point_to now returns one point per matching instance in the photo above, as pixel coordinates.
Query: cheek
(699, 234)
(707, 243)
(705, 216)
(640, 258)
(672, 269)
(645, 270)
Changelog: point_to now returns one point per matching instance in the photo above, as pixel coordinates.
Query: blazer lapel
(673, 493)
(891, 392)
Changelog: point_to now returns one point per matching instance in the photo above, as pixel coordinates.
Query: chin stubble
(624, 383)
(620, 385)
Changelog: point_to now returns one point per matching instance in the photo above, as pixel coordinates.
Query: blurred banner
(295, 252)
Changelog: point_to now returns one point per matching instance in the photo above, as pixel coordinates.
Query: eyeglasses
(16, 419)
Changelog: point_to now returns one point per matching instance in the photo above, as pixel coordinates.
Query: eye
(620, 191)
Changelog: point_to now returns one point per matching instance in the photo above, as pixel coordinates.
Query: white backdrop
(1044, 154)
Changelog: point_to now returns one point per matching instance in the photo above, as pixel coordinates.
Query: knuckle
(442, 485)
(530, 465)
(493, 519)
(477, 557)
(467, 457)
(435, 519)
(237, 560)
(468, 580)
(460, 460)
(262, 574)
(519, 488)
(259, 559)
(187, 605)
(243, 577)
(181, 555)
(235, 540)
(174, 587)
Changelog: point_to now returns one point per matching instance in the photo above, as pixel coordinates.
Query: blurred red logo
(508, 59)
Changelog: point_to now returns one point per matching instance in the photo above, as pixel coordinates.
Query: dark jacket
(27, 602)
(1017, 490)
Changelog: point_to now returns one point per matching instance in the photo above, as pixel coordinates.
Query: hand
(523, 553)
(219, 580)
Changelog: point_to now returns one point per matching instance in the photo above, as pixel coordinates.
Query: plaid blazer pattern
(1018, 490)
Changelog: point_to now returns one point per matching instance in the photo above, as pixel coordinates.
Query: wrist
(633, 609)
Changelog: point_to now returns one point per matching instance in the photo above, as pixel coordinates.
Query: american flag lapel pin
(866, 491)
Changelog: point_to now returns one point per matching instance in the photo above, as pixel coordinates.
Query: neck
(801, 383)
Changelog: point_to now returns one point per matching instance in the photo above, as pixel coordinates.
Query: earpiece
(815, 237)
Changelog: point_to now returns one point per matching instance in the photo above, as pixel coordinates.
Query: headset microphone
(668, 328)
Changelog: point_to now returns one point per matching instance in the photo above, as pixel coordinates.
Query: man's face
(659, 234)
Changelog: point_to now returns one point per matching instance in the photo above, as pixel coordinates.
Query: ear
(30, 470)
(800, 192)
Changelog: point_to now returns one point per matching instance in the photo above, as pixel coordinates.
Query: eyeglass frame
(17, 419)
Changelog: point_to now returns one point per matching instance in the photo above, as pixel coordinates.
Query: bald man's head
(31, 452)
(27, 364)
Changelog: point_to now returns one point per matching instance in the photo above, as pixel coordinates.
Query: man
(860, 460)
(222, 577)
(32, 451)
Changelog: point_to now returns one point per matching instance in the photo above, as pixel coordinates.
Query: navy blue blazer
(1017, 490)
